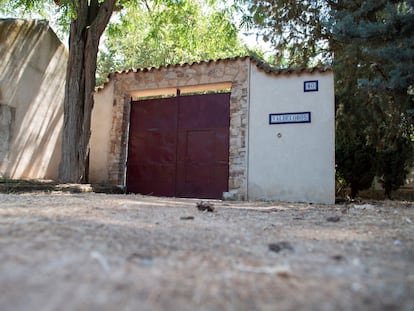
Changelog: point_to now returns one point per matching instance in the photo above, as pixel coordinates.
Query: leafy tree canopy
(153, 33)
(57, 13)
(147, 33)
(298, 30)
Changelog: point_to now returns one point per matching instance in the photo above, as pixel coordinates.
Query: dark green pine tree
(375, 108)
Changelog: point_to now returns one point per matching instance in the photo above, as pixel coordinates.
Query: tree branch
(148, 8)
(102, 17)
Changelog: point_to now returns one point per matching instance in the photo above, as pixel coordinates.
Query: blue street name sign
(291, 117)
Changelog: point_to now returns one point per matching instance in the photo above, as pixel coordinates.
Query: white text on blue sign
(294, 117)
(310, 86)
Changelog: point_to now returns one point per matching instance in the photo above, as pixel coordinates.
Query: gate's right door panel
(203, 145)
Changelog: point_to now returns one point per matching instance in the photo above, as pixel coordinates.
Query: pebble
(333, 219)
(205, 206)
(397, 243)
(278, 247)
(364, 206)
(187, 218)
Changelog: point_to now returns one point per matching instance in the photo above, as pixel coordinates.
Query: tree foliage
(374, 64)
(57, 15)
(298, 30)
(385, 31)
(154, 33)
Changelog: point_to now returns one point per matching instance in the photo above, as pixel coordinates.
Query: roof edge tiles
(262, 65)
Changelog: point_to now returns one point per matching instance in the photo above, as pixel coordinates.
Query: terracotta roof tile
(262, 65)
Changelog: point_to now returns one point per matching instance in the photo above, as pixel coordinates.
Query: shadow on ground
(24, 186)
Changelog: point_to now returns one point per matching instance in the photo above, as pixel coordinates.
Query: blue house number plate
(291, 117)
(310, 86)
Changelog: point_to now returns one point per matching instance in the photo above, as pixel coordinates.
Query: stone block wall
(235, 71)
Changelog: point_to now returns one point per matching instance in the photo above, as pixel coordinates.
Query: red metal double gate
(179, 146)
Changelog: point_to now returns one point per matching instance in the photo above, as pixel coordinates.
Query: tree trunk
(85, 32)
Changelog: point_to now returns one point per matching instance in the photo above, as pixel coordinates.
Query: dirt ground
(129, 252)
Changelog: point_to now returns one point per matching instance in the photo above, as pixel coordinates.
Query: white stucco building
(270, 136)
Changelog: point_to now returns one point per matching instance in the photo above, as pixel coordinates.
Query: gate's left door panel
(152, 147)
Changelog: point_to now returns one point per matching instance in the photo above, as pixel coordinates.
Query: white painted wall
(101, 124)
(299, 165)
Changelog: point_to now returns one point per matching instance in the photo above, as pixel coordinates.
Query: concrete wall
(291, 162)
(32, 79)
